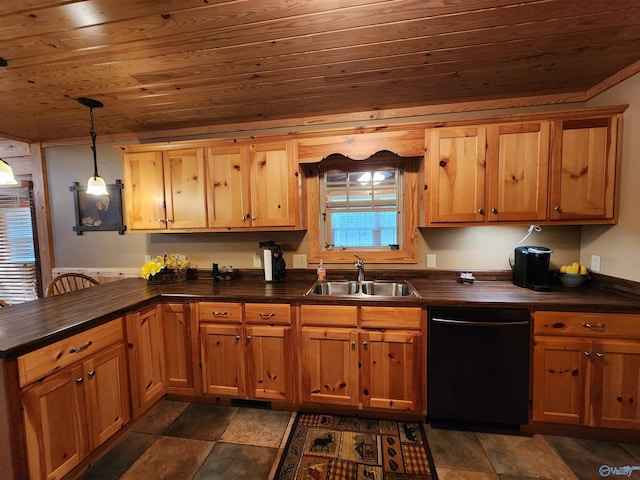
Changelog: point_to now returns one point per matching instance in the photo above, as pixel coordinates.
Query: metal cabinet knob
(481, 211)
(80, 380)
(557, 208)
(365, 345)
(91, 374)
(494, 211)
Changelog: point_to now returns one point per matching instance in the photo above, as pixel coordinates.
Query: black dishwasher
(478, 366)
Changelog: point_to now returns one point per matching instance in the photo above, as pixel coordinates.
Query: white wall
(619, 246)
(473, 248)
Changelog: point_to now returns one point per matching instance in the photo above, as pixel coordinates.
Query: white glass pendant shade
(96, 186)
(6, 174)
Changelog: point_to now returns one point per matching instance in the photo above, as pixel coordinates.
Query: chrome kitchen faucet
(360, 265)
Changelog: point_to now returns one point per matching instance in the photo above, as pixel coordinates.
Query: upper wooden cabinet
(583, 172)
(253, 186)
(165, 190)
(196, 186)
(456, 159)
(561, 170)
(488, 173)
(517, 173)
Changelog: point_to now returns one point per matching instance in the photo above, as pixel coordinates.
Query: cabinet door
(583, 169)
(144, 192)
(615, 384)
(560, 375)
(180, 327)
(456, 174)
(222, 359)
(228, 192)
(107, 394)
(146, 358)
(185, 196)
(274, 187)
(518, 171)
(330, 366)
(392, 371)
(55, 424)
(270, 360)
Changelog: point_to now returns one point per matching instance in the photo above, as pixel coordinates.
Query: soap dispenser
(322, 272)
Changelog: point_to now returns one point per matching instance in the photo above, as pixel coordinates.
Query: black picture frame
(98, 213)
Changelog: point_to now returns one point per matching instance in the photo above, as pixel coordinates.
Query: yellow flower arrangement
(163, 263)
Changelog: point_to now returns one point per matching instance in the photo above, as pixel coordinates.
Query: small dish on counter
(573, 279)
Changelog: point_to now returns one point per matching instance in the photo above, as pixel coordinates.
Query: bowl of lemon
(573, 275)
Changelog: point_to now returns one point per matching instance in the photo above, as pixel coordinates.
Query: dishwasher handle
(476, 324)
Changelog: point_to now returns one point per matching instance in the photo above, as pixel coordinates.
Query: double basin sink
(364, 289)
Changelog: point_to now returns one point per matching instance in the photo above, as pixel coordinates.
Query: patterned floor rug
(330, 447)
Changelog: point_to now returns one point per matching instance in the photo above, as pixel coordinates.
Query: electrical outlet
(299, 261)
(257, 262)
(595, 263)
(431, 260)
(147, 258)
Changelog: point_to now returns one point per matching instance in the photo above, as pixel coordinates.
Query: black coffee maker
(531, 268)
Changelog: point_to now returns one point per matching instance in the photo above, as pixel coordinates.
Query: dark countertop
(31, 325)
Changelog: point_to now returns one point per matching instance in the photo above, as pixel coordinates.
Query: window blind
(18, 270)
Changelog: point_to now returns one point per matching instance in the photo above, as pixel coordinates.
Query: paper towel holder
(273, 261)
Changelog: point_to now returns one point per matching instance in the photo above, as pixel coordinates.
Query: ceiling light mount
(95, 184)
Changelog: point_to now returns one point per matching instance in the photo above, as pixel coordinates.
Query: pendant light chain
(92, 132)
(95, 185)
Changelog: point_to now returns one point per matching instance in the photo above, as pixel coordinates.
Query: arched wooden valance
(405, 143)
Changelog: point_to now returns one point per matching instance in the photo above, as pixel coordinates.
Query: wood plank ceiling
(194, 66)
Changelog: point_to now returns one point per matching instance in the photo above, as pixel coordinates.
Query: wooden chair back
(70, 282)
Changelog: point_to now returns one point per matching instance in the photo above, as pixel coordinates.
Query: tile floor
(183, 441)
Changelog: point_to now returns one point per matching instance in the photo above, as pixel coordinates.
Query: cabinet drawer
(220, 312)
(46, 360)
(391, 317)
(334, 315)
(268, 313)
(587, 324)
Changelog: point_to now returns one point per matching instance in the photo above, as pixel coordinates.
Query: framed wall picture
(98, 213)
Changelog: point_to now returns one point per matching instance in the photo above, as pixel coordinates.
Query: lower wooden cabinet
(587, 374)
(270, 362)
(74, 411)
(330, 366)
(145, 343)
(180, 331)
(377, 367)
(222, 360)
(392, 370)
(247, 355)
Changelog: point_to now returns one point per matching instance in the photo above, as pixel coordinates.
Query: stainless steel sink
(366, 289)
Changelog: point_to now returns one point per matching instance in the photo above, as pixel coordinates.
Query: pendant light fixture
(95, 184)
(6, 174)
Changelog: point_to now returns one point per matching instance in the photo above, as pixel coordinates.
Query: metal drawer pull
(79, 379)
(587, 354)
(365, 345)
(82, 348)
(599, 326)
(219, 314)
(267, 315)
(91, 374)
(353, 345)
(238, 338)
(600, 355)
